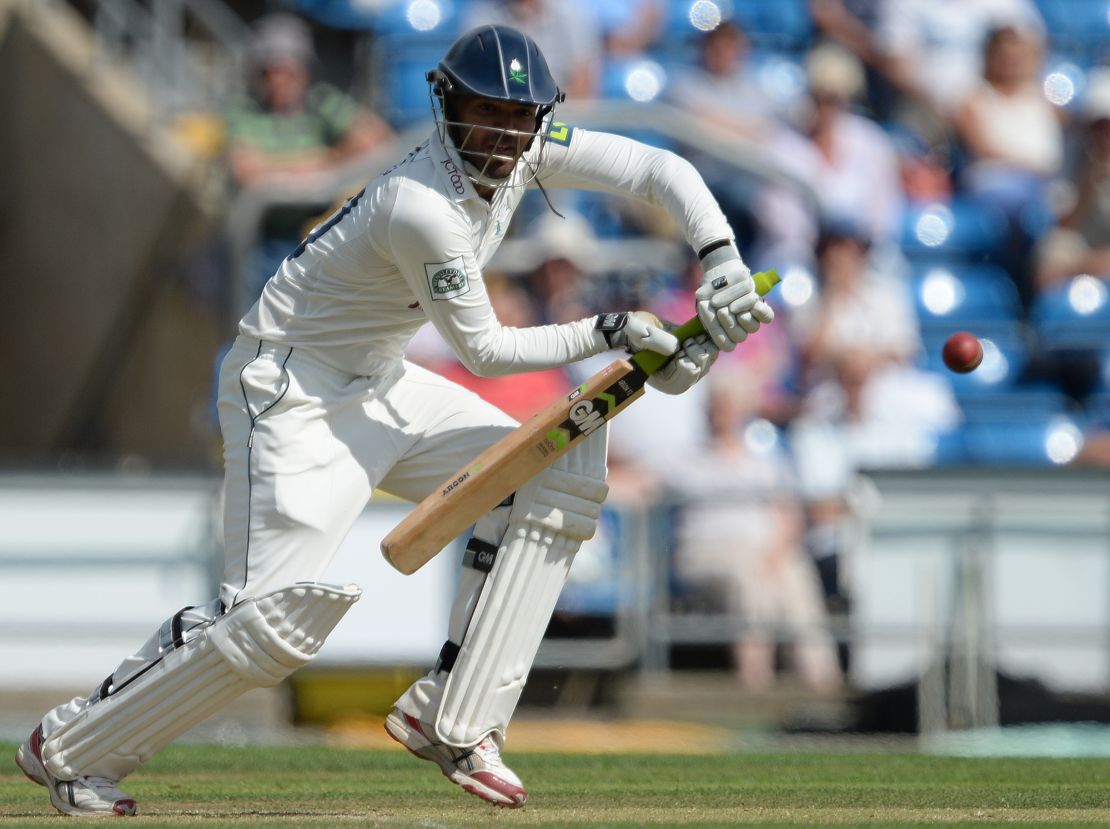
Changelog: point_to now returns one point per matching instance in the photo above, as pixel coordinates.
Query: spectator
(867, 415)
(882, 313)
(568, 33)
(853, 24)
(1014, 144)
(565, 249)
(571, 38)
(290, 130)
(721, 89)
(722, 93)
(864, 402)
(769, 360)
(630, 27)
(764, 576)
(931, 50)
(850, 163)
(1081, 241)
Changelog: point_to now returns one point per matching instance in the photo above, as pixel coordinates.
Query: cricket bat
(518, 457)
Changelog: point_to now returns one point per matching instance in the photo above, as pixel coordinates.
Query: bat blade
(509, 464)
(506, 466)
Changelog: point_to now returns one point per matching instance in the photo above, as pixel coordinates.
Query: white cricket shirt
(411, 247)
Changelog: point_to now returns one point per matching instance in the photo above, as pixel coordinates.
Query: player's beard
(492, 152)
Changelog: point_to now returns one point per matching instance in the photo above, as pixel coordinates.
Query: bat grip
(651, 361)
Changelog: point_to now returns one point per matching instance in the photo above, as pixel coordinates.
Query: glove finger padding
(727, 291)
(729, 324)
(763, 312)
(687, 367)
(751, 320)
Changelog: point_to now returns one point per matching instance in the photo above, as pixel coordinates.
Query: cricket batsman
(318, 407)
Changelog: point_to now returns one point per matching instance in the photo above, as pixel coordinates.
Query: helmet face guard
(498, 63)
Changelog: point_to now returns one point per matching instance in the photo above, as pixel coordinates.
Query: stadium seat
(951, 448)
(401, 60)
(1079, 28)
(785, 25)
(394, 16)
(1031, 441)
(1075, 314)
(1016, 403)
(960, 227)
(1096, 408)
(595, 586)
(635, 78)
(951, 293)
(1005, 356)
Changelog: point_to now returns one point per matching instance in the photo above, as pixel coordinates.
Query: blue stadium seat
(1019, 403)
(951, 448)
(396, 16)
(1103, 386)
(401, 60)
(950, 294)
(782, 25)
(1032, 441)
(596, 586)
(676, 20)
(1080, 28)
(1005, 356)
(1075, 314)
(961, 227)
(1008, 438)
(632, 78)
(1097, 409)
(785, 25)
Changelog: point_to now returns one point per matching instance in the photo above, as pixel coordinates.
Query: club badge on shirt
(560, 133)
(447, 279)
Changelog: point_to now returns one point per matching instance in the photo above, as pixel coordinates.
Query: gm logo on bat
(585, 416)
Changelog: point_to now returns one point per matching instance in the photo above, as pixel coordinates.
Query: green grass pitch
(220, 786)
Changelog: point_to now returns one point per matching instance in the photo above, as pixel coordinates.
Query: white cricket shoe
(479, 769)
(83, 796)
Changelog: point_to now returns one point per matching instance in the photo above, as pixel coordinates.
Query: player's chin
(500, 168)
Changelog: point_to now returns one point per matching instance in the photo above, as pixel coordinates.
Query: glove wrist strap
(717, 253)
(610, 324)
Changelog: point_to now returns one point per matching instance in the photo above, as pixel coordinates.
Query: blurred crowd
(918, 169)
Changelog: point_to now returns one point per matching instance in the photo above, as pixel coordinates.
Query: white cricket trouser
(305, 445)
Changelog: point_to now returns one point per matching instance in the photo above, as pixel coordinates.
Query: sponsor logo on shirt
(447, 279)
(455, 176)
(560, 133)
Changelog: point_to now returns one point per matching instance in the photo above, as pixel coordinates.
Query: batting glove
(637, 331)
(688, 366)
(727, 303)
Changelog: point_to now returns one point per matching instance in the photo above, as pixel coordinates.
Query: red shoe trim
(36, 743)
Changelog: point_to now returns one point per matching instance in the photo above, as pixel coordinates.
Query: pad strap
(257, 643)
(551, 516)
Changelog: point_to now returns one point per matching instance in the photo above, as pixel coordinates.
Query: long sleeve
(615, 164)
(436, 257)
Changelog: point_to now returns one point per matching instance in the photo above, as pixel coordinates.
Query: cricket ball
(962, 352)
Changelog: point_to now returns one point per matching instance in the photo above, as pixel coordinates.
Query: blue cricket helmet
(497, 62)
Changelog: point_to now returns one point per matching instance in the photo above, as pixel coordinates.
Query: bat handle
(650, 361)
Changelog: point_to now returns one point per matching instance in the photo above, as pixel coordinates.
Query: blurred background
(926, 555)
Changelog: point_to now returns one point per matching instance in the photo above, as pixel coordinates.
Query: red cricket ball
(962, 352)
